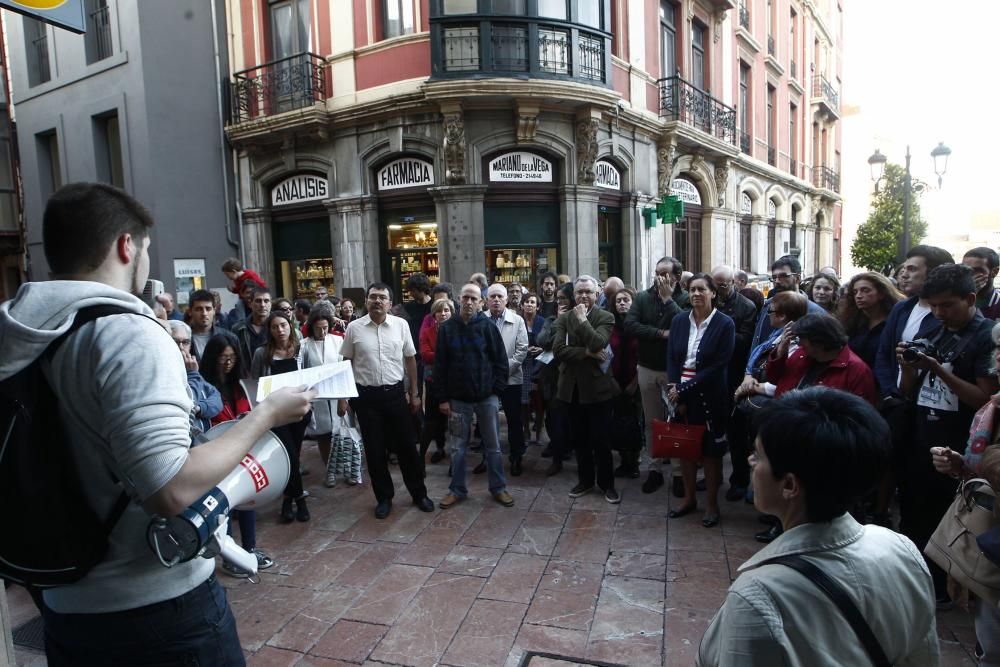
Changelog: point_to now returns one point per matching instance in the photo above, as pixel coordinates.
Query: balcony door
(290, 77)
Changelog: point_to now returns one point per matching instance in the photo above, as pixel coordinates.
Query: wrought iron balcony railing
(770, 45)
(41, 46)
(824, 91)
(772, 156)
(100, 24)
(681, 101)
(744, 16)
(745, 142)
(282, 85)
(826, 178)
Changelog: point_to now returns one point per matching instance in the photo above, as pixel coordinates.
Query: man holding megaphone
(123, 400)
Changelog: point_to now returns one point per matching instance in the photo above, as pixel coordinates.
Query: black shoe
(554, 468)
(287, 514)
(580, 489)
(547, 452)
(769, 519)
(736, 493)
(684, 511)
(301, 511)
(383, 508)
(480, 469)
(699, 485)
(437, 456)
(654, 480)
(515, 467)
(769, 535)
(424, 504)
(677, 487)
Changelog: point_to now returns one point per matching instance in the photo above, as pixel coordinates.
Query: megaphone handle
(235, 554)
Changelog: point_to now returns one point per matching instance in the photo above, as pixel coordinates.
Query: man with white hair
(206, 399)
(580, 343)
(515, 340)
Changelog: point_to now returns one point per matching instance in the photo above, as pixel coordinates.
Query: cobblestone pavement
(480, 584)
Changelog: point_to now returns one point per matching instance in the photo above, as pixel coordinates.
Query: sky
(919, 72)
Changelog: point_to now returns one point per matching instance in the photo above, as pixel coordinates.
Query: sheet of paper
(545, 357)
(330, 380)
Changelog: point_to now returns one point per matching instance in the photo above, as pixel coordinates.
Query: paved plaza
(580, 581)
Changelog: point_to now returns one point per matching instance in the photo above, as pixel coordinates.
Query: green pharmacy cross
(669, 210)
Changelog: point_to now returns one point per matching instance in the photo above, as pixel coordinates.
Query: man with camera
(947, 376)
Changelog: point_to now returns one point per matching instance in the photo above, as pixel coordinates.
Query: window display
(412, 248)
(521, 265)
(305, 275)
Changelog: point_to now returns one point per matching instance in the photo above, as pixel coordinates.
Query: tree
(877, 244)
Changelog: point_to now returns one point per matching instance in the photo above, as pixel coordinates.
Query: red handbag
(675, 440)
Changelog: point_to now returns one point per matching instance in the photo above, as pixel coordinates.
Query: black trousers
(435, 423)
(590, 429)
(738, 435)
(557, 426)
(510, 400)
(387, 425)
(291, 436)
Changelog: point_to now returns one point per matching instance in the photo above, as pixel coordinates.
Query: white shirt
(694, 338)
(913, 322)
(377, 351)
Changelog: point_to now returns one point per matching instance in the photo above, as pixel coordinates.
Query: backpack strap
(84, 316)
(839, 597)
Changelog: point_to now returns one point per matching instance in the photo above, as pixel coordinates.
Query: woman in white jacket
(319, 348)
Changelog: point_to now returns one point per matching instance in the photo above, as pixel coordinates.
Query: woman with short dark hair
(818, 451)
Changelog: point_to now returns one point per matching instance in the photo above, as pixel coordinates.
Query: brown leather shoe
(504, 499)
(449, 500)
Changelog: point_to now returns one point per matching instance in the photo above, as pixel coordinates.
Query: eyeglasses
(377, 297)
(182, 341)
(286, 309)
(227, 360)
(782, 276)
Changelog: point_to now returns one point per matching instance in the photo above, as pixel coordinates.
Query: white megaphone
(201, 529)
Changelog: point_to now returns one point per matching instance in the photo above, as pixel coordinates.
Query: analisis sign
(299, 188)
(68, 14)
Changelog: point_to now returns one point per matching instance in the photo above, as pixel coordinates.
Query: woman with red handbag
(698, 353)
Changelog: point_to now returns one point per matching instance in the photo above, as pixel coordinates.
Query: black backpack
(50, 534)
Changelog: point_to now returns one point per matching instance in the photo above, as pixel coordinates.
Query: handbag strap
(839, 597)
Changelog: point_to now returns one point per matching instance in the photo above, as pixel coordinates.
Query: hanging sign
(685, 190)
(68, 14)
(407, 172)
(520, 167)
(299, 188)
(606, 176)
(189, 275)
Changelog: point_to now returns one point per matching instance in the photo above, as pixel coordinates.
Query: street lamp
(877, 165)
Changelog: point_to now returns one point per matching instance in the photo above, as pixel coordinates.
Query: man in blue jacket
(470, 372)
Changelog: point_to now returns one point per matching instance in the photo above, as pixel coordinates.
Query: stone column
(825, 243)
(759, 252)
(782, 238)
(258, 240)
(650, 245)
(461, 233)
(354, 235)
(720, 246)
(578, 232)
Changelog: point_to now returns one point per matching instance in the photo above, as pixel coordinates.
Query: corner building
(379, 138)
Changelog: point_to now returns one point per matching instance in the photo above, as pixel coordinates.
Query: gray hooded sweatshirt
(124, 402)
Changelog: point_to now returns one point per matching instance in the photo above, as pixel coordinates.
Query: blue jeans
(487, 413)
(197, 628)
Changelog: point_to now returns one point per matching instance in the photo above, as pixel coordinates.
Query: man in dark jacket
(744, 315)
(470, 372)
(649, 321)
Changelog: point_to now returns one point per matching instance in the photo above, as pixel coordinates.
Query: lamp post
(877, 165)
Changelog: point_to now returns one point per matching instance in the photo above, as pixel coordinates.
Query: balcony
(745, 143)
(681, 101)
(276, 87)
(744, 16)
(517, 46)
(826, 179)
(772, 156)
(825, 95)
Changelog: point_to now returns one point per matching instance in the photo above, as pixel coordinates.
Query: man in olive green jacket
(580, 343)
(649, 321)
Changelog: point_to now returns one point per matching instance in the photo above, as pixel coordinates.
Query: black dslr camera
(917, 347)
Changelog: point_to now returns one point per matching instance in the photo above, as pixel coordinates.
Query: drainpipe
(223, 142)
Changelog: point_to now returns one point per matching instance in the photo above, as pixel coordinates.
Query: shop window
(608, 241)
(520, 252)
(412, 244)
(302, 248)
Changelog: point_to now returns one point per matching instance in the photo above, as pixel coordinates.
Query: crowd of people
(842, 406)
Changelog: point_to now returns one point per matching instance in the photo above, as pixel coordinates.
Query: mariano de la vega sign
(520, 166)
